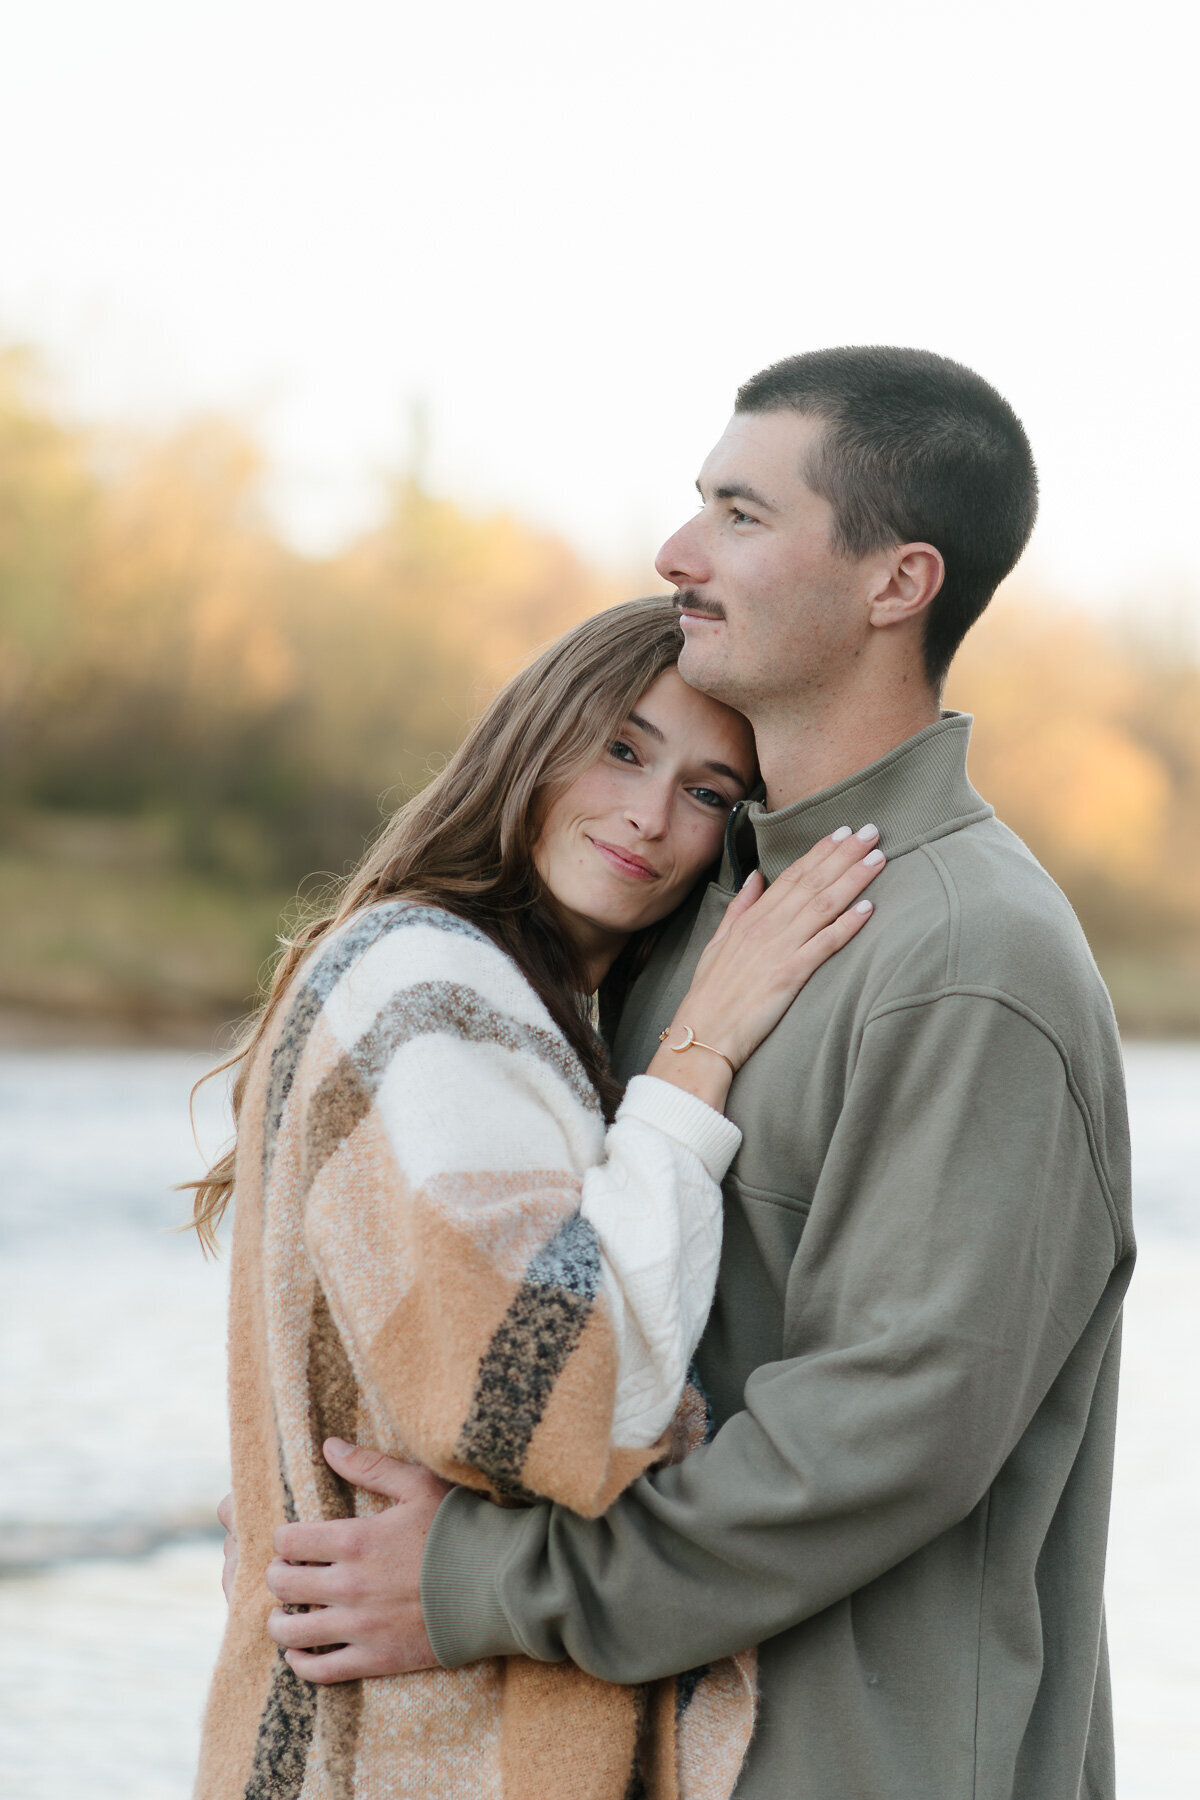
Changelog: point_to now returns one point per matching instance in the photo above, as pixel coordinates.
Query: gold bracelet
(692, 1042)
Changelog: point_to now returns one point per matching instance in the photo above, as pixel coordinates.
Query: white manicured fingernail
(867, 832)
(865, 906)
(840, 835)
(873, 860)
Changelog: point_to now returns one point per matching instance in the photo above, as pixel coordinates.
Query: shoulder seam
(966, 990)
(953, 916)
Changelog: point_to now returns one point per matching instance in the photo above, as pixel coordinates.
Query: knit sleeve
(518, 1291)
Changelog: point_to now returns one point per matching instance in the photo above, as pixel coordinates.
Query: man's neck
(812, 746)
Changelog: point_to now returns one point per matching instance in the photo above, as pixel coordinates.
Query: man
(912, 1354)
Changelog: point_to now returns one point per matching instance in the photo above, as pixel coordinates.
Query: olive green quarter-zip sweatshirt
(912, 1355)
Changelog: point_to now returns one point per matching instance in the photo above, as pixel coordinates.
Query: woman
(441, 1250)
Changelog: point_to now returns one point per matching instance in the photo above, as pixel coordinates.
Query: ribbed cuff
(464, 1552)
(714, 1138)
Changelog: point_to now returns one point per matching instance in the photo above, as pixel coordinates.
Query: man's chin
(700, 668)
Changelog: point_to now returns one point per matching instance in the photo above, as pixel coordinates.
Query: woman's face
(622, 845)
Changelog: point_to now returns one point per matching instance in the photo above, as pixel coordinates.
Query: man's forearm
(946, 1305)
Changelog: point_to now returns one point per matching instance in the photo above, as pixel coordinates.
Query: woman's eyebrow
(645, 725)
(724, 769)
(718, 768)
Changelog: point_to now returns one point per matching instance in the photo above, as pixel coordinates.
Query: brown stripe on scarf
(570, 1454)
(332, 1405)
(528, 1353)
(516, 1376)
(344, 1097)
(339, 1105)
(427, 1007)
(461, 1293)
(295, 1709)
(637, 1789)
(284, 1734)
(333, 1410)
(319, 981)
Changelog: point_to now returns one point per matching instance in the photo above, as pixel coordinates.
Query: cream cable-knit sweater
(439, 1250)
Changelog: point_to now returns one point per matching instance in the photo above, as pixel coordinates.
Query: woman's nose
(682, 560)
(650, 813)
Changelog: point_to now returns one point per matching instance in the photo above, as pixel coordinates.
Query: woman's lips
(624, 861)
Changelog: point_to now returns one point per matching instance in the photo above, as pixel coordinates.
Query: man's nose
(683, 560)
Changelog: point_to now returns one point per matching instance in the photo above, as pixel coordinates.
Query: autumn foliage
(173, 674)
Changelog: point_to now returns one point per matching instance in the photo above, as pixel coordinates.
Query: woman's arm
(518, 1292)
(663, 1252)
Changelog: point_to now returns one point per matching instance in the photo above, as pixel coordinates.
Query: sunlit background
(347, 353)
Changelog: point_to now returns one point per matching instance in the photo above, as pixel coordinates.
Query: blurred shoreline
(48, 1027)
(1157, 1001)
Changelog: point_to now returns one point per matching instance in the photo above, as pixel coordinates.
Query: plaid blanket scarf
(440, 1251)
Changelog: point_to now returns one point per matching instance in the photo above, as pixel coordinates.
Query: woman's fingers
(822, 945)
(842, 886)
(825, 862)
(771, 942)
(750, 892)
(804, 899)
(828, 856)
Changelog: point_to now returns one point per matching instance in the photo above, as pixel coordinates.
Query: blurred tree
(179, 685)
(48, 499)
(1090, 749)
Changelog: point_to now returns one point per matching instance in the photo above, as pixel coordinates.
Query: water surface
(113, 1454)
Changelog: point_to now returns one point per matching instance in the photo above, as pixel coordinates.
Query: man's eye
(710, 797)
(742, 518)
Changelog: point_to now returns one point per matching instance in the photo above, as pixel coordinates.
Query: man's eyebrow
(739, 491)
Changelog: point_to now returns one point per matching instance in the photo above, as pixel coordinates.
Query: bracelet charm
(692, 1042)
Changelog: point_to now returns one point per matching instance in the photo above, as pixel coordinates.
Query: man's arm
(959, 1244)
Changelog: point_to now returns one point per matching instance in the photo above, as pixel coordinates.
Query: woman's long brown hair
(466, 841)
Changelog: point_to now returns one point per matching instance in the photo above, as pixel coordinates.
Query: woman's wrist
(697, 1068)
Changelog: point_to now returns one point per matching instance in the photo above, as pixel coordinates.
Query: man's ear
(907, 583)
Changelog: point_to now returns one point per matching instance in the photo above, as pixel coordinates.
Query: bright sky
(572, 230)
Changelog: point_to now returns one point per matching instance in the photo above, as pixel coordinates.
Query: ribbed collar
(915, 793)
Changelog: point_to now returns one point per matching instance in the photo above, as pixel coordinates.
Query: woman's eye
(622, 751)
(710, 797)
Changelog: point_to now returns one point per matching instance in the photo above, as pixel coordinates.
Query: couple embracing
(682, 1200)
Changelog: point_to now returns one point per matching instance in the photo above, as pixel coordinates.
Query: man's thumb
(369, 1468)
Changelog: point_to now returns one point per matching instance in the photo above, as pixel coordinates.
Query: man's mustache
(688, 600)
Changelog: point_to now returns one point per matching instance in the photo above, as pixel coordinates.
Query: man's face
(768, 608)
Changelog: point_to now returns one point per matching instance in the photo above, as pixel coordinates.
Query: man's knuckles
(363, 1466)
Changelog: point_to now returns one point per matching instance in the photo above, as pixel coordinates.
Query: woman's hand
(766, 947)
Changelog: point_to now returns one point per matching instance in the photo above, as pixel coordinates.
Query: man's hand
(229, 1567)
(362, 1575)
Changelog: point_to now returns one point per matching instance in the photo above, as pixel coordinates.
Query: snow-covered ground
(112, 1437)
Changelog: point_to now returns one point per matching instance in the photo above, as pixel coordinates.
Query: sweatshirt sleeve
(959, 1242)
(519, 1292)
